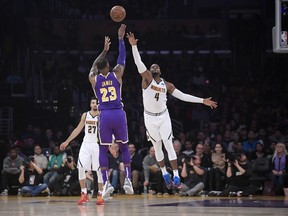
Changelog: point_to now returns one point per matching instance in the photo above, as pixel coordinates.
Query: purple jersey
(112, 117)
(108, 92)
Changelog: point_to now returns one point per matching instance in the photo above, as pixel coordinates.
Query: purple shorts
(113, 122)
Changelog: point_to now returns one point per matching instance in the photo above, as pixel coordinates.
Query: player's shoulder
(84, 114)
(167, 82)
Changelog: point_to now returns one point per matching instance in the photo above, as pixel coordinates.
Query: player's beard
(154, 75)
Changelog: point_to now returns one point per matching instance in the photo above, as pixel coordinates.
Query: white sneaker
(4, 192)
(107, 190)
(128, 186)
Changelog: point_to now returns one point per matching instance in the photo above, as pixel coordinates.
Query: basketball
(117, 13)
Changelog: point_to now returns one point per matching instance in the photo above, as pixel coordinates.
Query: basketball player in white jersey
(156, 115)
(89, 151)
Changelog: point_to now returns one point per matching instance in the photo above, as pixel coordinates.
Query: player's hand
(63, 146)
(131, 38)
(209, 102)
(106, 43)
(121, 31)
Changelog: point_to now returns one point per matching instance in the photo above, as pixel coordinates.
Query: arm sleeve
(186, 97)
(122, 53)
(137, 59)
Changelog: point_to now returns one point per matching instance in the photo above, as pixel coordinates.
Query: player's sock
(175, 173)
(163, 170)
(84, 190)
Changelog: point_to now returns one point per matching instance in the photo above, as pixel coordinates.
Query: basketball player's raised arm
(189, 98)
(146, 74)
(93, 71)
(74, 133)
(121, 60)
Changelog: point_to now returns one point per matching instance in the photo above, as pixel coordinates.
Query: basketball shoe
(128, 186)
(167, 180)
(99, 200)
(107, 190)
(84, 199)
(176, 182)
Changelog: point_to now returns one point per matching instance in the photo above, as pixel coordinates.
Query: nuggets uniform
(156, 116)
(89, 150)
(112, 117)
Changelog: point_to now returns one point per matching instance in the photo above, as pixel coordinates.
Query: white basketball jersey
(155, 97)
(90, 128)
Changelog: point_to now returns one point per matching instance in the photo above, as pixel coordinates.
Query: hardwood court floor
(146, 205)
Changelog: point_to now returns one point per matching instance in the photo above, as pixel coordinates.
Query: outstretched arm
(146, 74)
(93, 71)
(189, 98)
(121, 60)
(74, 133)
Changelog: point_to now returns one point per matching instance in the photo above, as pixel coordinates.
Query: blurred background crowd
(220, 49)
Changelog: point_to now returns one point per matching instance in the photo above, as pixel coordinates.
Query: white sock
(84, 190)
(164, 171)
(175, 173)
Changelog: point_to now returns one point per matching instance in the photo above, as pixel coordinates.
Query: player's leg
(100, 200)
(152, 126)
(103, 160)
(120, 132)
(83, 164)
(97, 174)
(82, 181)
(173, 161)
(121, 137)
(105, 138)
(160, 159)
(128, 187)
(166, 134)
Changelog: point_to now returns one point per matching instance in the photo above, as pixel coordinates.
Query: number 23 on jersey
(104, 92)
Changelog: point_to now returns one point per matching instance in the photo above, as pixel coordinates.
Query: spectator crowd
(239, 149)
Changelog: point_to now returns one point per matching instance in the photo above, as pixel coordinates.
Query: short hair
(101, 63)
(93, 98)
(37, 145)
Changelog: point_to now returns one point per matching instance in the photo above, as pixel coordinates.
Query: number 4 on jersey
(157, 96)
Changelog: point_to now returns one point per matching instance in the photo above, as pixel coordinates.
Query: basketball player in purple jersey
(112, 118)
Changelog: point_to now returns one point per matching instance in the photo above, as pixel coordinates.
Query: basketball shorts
(112, 125)
(89, 156)
(158, 127)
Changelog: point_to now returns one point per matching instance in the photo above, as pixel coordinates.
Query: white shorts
(158, 127)
(89, 156)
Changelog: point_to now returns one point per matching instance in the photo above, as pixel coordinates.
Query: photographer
(30, 178)
(238, 171)
(68, 183)
(194, 176)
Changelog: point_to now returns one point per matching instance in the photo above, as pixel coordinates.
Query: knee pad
(158, 150)
(170, 150)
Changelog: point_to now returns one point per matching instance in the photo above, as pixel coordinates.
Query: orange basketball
(117, 13)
